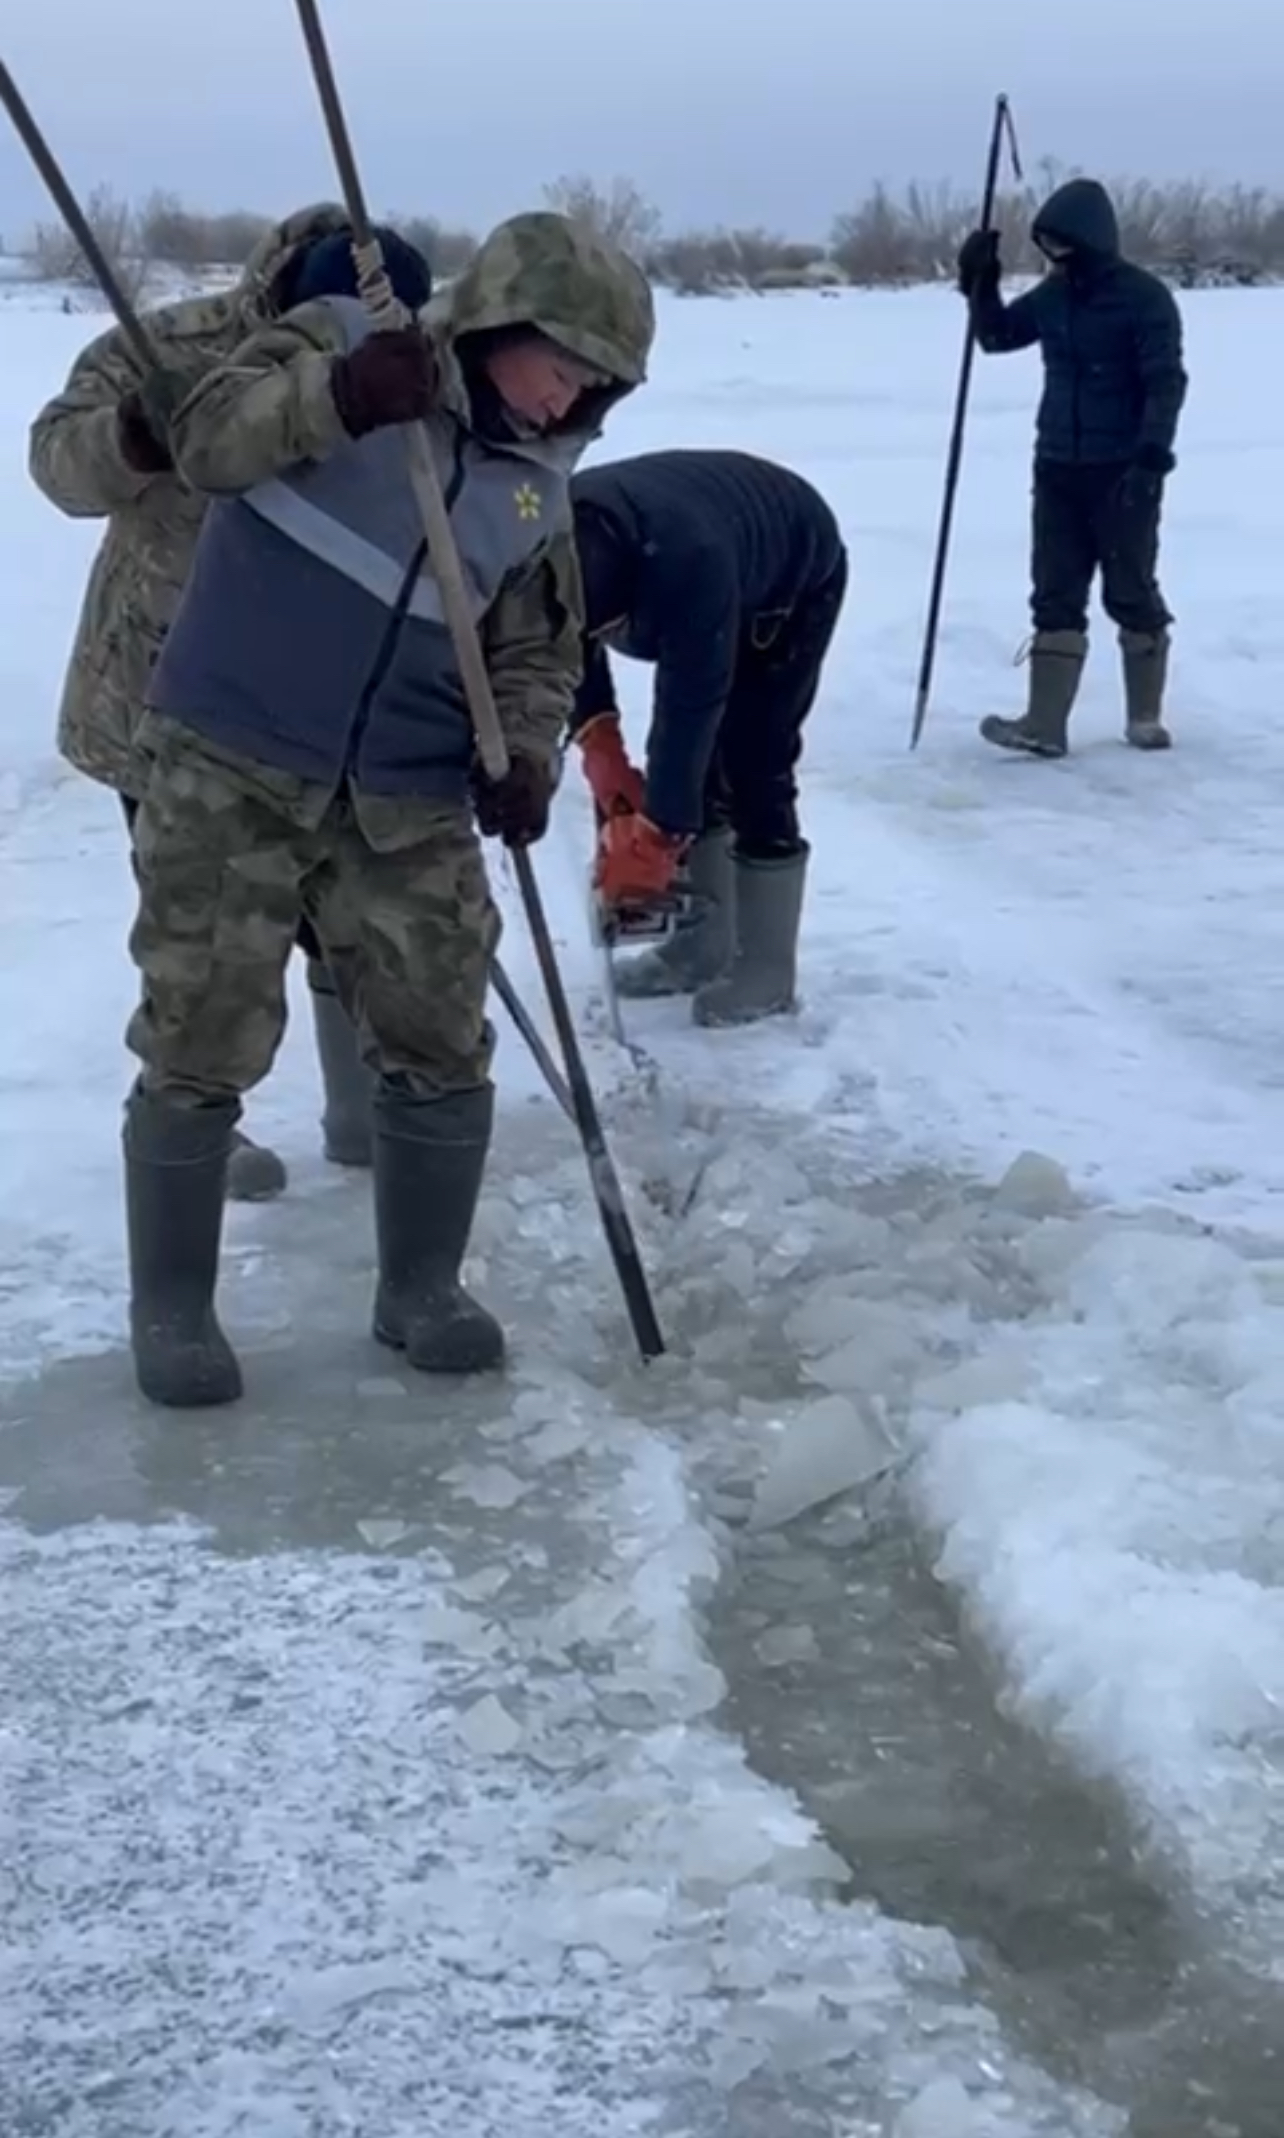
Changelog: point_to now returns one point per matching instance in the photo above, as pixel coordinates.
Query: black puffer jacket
(688, 557)
(1110, 333)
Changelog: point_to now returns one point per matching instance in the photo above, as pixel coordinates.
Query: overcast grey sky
(752, 111)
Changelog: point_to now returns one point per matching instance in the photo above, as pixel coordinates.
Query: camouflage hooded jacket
(153, 520)
(310, 644)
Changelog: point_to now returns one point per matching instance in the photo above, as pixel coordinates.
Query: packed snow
(362, 1763)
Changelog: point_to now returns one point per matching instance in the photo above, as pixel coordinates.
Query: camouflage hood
(542, 270)
(277, 246)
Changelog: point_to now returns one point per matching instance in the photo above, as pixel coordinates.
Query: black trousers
(752, 785)
(305, 939)
(1086, 522)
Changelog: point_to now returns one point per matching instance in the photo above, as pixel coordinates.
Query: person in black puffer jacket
(727, 574)
(1114, 385)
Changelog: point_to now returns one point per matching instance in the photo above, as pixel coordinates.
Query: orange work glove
(636, 862)
(616, 784)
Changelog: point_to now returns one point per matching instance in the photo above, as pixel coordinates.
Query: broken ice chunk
(944, 2109)
(486, 1484)
(441, 1626)
(881, 1342)
(813, 1863)
(535, 1406)
(1051, 1251)
(624, 1923)
(1035, 1186)
(1000, 1377)
(786, 1644)
(721, 1347)
(699, 1691)
(746, 1967)
(831, 1446)
(738, 1268)
(729, 1853)
(678, 1974)
(557, 1440)
(736, 2059)
(824, 1321)
(488, 1729)
(481, 1586)
(381, 1534)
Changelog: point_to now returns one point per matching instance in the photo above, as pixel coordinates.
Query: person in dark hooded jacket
(1114, 385)
(727, 573)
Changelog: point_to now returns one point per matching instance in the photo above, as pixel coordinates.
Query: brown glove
(515, 808)
(391, 378)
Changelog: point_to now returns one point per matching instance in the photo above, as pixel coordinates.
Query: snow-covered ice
(362, 1762)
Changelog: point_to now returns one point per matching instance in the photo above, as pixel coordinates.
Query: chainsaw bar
(623, 927)
(613, 928)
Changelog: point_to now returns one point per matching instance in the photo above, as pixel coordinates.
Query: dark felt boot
(1056, 668)
(701, 945)
(175, 1179)
(429, 1159)
(347, 1127)
(1145, 667)
(255, 1174)
(762, 977)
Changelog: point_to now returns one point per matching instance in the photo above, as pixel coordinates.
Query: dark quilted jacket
(1111, 336)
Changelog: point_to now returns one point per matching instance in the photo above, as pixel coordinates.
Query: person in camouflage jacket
(309, 752)
(96, 453)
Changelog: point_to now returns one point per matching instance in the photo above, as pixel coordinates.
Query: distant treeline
(1195, 234)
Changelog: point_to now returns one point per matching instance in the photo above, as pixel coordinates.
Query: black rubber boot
(429, 1158)
(1145, 667)
(1056, 669)
(762, 977)
(701, 945)
(255, 1174)
(175, 1176)
(347, 1126)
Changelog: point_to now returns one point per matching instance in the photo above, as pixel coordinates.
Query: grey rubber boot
(429, 1158)
(762, 977)
(347, 1127)
(1145, 667)
(255, 1174)
(1056, 668)
(175, 1176)
(701, 945)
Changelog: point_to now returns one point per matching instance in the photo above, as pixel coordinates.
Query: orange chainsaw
(616, 926)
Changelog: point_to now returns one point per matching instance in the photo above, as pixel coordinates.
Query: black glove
(1143, 482)
(143, 417)
(391, 378)
(978, 261)
(515, 808)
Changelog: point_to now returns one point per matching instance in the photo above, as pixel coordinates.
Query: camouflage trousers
(223, 881)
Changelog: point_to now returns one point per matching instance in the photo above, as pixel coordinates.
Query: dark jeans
(305, 939)
(1085, 522)
(752, 784)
